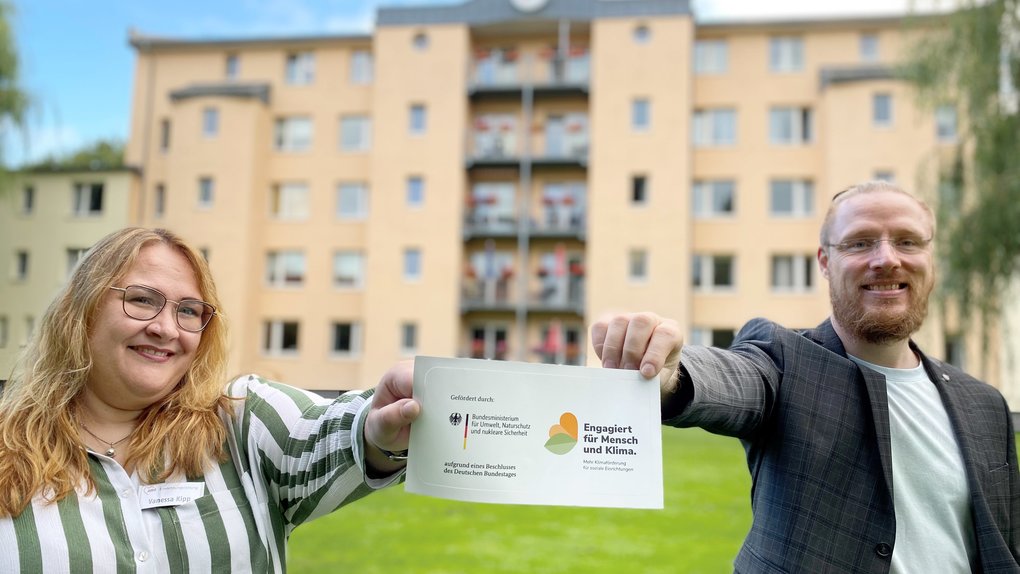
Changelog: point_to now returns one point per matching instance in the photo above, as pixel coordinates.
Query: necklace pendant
(110, 452)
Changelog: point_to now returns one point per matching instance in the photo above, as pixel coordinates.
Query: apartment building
(486, 179)
(48, 219)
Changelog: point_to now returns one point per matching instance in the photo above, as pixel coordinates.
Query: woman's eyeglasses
(144, 303)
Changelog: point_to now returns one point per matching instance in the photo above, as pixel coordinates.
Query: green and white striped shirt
(294, 456)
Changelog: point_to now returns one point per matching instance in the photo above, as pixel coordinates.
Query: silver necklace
(110, 452)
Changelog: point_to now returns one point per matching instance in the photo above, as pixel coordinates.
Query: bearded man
(865, 454)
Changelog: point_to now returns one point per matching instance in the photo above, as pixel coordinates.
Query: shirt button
(883, 550)
(143, 556)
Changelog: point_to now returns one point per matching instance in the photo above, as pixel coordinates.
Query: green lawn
(706, 517)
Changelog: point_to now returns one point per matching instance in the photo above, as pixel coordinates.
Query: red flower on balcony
(477, 346)
(577, 269)
(576, 51)
(548, 200)
(481, 125)
(469, 272)
(506, 273)
(482, 54)
(510, 56)
(568, 200)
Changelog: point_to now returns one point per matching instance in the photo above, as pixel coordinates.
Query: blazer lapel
(878, 397)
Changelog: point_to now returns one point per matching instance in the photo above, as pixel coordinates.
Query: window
(293, 134)
(711, 57)
(420, 41)
(88, 199)
(956, 351)
(415, 191)
(289, 202)
(210, 122)
(233, 66)
(204, 251)
(285, 268)
(27, 199)
(642, 34)
(793, 273)
(164, 135)
(786, 54)
(159, 201)
(640, 114)
(715, 127)
(488, 342)
(417, 118)
(713, 272)
(637, 265)
(351, 201)
(4, 331)
(714, 198)
(206, 192)
(409, 338)
(791, 198)
(355, 133)
(412, 264)
(300, 69)
(345, 339)
(21, 261)
(885, 175)
(790, 125)
(348, 269)
(74, 255)
(881, 110)
(639, 189)
(706, 337)
(361, 67)
(945, 123)
(280, 337)
(868, 48)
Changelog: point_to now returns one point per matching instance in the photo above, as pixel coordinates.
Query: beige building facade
(48, 219)
(487, 179)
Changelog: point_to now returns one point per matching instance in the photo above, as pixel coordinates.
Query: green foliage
(966, 62)
(14, 102)
(101, 154)
(707, 514)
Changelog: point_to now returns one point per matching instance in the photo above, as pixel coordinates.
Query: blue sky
(78, 67)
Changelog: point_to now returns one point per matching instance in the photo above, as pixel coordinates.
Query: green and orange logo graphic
(563, 436)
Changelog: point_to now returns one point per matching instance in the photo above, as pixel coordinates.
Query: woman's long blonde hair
(41, 451)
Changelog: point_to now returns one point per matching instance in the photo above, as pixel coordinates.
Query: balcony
(558, 293)
(488, 294)
(503, 73)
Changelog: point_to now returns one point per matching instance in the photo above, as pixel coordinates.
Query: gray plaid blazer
(816, 430)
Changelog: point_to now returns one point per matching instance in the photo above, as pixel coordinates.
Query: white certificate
(522, 433)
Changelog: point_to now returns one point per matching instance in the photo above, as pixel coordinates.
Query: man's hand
(388, 423)
(643, 341)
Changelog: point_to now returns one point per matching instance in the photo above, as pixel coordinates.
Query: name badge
(169, 494)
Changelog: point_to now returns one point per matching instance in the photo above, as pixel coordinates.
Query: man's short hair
(867, 187)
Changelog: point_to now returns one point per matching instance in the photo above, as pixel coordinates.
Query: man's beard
(878, 325)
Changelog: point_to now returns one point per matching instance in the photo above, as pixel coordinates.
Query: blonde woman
(120, 448)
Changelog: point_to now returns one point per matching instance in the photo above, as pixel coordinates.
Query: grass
(707, 514)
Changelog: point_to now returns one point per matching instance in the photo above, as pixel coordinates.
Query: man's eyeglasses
(862, 245)
(144, 303)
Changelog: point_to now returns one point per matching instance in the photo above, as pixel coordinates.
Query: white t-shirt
(934, 527)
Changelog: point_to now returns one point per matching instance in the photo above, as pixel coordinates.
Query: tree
(973, 63)
(13, 101)
(101, 154)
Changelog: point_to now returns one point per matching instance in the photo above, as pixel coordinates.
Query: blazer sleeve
(730, 391)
